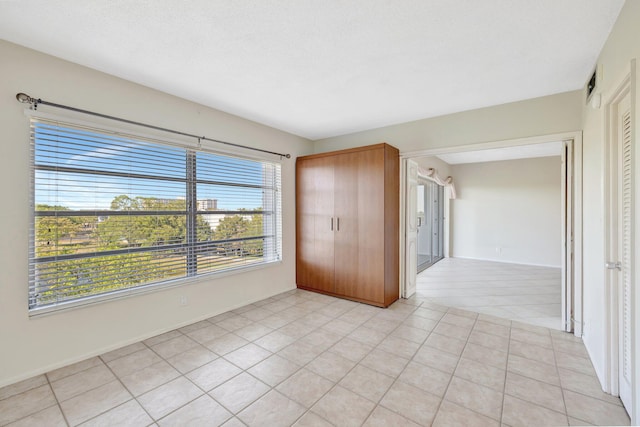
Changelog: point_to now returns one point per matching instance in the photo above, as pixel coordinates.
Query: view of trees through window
(111, 213)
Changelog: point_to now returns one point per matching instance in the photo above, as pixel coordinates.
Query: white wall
(534, 117)
(508, 211)
(621, 47)
(30, 346)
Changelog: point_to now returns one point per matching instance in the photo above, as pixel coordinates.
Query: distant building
(208, 204)
(214, 219)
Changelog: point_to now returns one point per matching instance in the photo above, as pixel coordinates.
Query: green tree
(50, 230)
(95, 275)
(231, 227)
(90, 276)
(238, 226)
(126, 203)
(255, 247)
(142, 230)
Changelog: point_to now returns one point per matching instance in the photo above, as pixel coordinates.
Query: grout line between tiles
(396, 379)
(304, 298)
(64, 416)
(564, 402)
(337, 383)
(453, 374)
(506, 374)
(128, 391)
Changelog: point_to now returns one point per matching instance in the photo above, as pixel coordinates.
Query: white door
(411, 225)
(624, 247)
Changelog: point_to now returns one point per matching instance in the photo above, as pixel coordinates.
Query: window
(114, 212)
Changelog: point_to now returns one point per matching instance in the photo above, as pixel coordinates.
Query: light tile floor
(518, 292)
(306, 359)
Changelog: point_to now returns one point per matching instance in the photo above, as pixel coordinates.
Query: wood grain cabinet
(347, 223)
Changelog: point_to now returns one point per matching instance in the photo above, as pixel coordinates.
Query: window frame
(191, 245)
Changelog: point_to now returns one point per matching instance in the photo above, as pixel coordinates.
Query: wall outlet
(184, 300)
(498, 250)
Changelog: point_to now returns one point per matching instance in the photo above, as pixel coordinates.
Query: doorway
(569, 145)
(430, 215)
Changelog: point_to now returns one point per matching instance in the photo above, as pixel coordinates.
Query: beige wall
(34, 345)
(495, 199)
(622, 46)
(534, 117)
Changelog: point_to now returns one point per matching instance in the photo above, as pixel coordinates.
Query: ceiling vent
(592, 84)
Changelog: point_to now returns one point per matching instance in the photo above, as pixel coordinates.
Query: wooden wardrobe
(347, 223)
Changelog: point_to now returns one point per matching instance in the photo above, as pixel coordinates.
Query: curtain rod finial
(24, 98)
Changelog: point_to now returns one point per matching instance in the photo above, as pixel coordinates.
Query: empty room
(493, 264)
(211, 213)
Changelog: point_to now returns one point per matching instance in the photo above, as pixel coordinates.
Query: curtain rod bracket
(26, 99)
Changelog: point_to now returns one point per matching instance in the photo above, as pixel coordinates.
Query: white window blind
(113, 213)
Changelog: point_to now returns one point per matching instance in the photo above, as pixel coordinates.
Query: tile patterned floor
(305, 359)
(524, 293)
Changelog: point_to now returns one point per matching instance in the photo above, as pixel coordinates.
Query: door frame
(571, 287)
(626, 87)
(407, 280)
(568, 234)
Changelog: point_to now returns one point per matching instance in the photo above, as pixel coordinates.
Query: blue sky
(74, 148)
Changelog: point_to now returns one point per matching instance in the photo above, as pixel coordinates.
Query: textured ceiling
(324, 68)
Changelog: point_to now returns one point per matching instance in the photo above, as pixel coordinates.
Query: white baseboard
(508, 262)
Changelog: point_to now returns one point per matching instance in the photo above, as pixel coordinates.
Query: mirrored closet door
(430, 223)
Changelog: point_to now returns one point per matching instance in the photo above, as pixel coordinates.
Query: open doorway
(568, 173)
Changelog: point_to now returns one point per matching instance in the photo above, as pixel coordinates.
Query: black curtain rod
(26, 99)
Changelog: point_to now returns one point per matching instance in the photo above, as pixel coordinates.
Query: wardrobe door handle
(331, 223)
(338, 225)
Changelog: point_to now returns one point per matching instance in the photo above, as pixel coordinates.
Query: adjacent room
(287, 213)
(495, 265)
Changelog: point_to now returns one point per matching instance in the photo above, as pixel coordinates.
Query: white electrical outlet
(184, 300)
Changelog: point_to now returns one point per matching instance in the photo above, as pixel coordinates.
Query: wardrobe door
(315, 223)
(371, 238)
(346, 234)
(359, 239)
